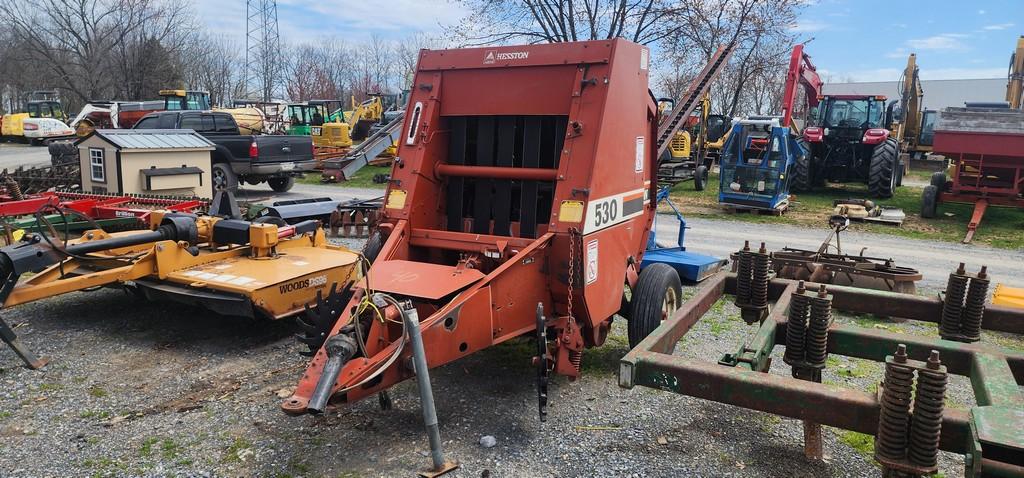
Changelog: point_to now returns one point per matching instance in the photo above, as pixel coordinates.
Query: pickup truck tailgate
(283, 148)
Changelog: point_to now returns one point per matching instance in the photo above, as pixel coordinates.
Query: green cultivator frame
(910, 424)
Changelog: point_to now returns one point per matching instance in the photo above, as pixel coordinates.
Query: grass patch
(1000, 227)
(231, 452)
(49, 387)
(361, 179)
(862, 443)
(604, 360)
(858, 369)
(6, 414)
(97, 414)
(97, 392)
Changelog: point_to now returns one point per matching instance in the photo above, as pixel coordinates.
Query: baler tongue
(420, 279)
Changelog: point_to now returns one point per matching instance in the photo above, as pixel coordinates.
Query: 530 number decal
(605, 212)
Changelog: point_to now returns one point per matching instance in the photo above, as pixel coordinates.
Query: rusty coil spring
(974, 308)
(744, 266)
(759, 278)
(894, 417)
(576, 359)
(796, 327)
(13, 188)
(929, 401)
(817, 329)
(952, 306)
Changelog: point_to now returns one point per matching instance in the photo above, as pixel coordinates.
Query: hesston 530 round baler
(520, 204)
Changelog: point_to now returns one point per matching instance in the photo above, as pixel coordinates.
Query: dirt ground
(147, 389)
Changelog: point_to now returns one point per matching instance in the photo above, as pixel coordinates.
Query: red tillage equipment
(986, 147)
(521, 206)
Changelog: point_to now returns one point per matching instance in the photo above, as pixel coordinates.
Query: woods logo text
(303, 283)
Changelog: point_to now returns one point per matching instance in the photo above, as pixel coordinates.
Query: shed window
(96, 165)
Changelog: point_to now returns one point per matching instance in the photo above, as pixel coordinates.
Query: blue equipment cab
(755, 165)
(690, 266)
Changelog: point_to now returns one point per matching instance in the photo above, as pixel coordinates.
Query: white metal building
(938, 94)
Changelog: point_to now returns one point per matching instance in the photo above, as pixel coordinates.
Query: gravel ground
(143, 389)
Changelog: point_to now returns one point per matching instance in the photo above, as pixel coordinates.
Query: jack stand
(11, 339)
(419, 357)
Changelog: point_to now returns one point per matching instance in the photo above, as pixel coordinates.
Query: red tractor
(848, 142)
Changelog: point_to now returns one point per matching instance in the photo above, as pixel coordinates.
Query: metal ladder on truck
(670, 171)
(343, 168)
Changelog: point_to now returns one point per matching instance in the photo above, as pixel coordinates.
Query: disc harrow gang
(907, 415)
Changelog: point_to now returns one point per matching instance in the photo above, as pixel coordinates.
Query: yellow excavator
(354, 125)
(699, 143)
(1015, 80)
(911, 125)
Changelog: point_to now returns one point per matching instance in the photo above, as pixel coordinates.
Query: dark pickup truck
(275, 159)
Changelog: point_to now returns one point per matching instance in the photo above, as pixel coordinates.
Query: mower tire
(373, 245)
(700, 178)
(800, 179)
(938, 180)
(657, 296)
(929, 201)
(882, 170)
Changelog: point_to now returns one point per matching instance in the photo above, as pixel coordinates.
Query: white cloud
(944, 41)
(808, 26)
(981, 12)
(897, 53)
(999, 26)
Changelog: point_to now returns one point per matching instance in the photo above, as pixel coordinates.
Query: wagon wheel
(316, 323)
(658, 294)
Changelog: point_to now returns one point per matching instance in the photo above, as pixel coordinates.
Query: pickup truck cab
(238, 158)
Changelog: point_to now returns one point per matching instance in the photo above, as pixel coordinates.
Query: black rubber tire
(281, 185)
(882, 170)
(800, 177)
(900, 169)
(270, 220)
(222, 177)
(62, 152)
(373, 245)
(648, 304)
(700, 178)
(929, 201)
(938, 180)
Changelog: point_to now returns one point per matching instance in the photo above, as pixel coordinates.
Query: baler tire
(882, 169)
(929, 201)
(801, 177)
(373, 245)
(657, 295)
(938, 180)
(700, 178)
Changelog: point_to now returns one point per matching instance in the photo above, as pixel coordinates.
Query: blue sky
(860, 40)
(869, 40)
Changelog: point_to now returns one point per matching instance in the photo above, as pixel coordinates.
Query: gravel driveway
(143, 389)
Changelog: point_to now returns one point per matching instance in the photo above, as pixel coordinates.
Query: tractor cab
(848, 117)
(302, 117)
(178, 100)
(755, 164)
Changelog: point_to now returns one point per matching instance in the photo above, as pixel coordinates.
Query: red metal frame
(988, 169)
(101, 206)
(801, 72)
(609, 152)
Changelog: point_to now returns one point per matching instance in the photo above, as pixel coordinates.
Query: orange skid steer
(520, 204)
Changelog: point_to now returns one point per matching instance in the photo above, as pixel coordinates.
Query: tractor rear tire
(281, 185)
(938, 180)
(63, 152)
(800, 179)
(882, 170)
(657, 296)
(929, 201)
(700, 178)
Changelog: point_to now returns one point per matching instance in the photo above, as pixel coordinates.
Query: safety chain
(572, 261)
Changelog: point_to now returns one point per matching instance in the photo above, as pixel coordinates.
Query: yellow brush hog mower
(257, 269)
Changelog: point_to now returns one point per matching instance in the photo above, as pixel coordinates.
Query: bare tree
(549, 21)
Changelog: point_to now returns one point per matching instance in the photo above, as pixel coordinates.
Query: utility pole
(262, 48)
